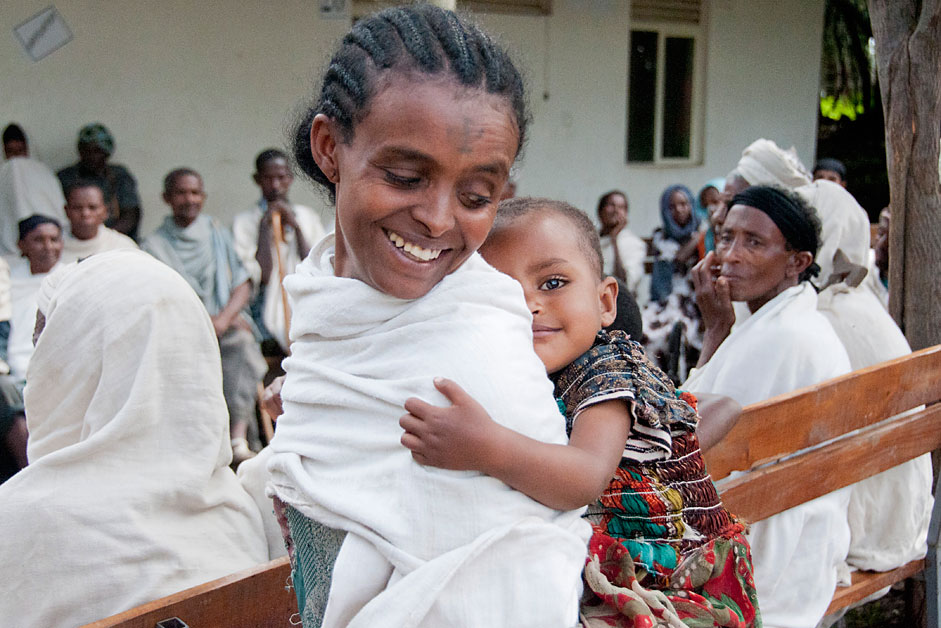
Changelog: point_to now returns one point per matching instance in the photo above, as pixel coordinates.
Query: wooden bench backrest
(257, 597)
(869, 400)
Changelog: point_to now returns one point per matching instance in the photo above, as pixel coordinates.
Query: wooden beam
(865, 583)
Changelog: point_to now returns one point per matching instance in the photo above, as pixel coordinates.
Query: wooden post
(908, 59)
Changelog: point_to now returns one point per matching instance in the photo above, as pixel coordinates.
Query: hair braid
(421, 38)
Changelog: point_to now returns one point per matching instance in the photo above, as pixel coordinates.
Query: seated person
(764, 257)
(830, 170)
(664, 549)
(85, 208)
(41, 244)
(622, 251)
(128, 496)
(27, 187)
(95, 146)
(877, 281)
(255, 243)
(195, 246)
(889, 513)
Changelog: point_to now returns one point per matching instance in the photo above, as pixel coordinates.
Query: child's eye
(400, 180)
(553, 283)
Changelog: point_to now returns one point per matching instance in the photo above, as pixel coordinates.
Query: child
(665, 552)
(417, 124)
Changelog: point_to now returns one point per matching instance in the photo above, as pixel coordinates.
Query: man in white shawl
(201, 251)
(87, 234)
(255, 241)
(27, 187)
(128, 496)
(622, 252)
(889, 513)
(763, 256)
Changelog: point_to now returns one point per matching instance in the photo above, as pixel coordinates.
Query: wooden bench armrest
(257, 596)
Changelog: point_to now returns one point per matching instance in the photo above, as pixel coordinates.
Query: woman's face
(680, 208)
(418, 185)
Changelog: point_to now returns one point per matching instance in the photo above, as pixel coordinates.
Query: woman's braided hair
(420, 39)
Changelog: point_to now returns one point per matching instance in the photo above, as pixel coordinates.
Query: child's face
(418, 185)
(568, 302)
(86, 211)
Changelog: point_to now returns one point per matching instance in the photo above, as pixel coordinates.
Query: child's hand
(461, 437)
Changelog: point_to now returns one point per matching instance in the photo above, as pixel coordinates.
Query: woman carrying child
(418, 121)
(665, 552)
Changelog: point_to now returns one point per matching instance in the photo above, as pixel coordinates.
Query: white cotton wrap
(466, 549)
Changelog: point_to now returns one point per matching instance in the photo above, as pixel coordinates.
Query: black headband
(28, 224)
(795, 225)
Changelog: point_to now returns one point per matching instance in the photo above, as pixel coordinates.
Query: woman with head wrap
(128, 496)
(672, 330)
(709, 203)
(763, 257)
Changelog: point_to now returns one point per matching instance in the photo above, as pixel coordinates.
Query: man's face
(42, 246)
(829, 175)
(92, 157)
(274, 178)
(185, 199)
(15, 148)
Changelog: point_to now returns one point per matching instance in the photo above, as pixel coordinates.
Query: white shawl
(798, 554)
(27, 187)
(128, 496)
(24, 288)
(888, 513)
(106, 239)
(765, 163)
(633, 252)
(464, 546)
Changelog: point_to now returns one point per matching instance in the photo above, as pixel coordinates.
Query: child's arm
(718, 415)
(564, 477)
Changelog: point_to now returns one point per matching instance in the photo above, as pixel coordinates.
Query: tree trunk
(908, 59)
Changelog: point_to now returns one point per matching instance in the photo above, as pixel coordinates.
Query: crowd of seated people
(119, 350)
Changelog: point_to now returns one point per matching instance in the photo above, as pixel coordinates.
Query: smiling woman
(419, 118)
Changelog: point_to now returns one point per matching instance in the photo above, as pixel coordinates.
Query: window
(664, 92)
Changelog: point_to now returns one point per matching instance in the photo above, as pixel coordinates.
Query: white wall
(762, 78)
(209, 84)
(200, 84)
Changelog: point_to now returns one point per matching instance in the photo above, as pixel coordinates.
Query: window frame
(664, 30)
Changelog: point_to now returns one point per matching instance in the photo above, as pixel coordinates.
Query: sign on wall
(43, 34)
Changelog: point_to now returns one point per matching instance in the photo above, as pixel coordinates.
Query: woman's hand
(461, 437)
(715, 304)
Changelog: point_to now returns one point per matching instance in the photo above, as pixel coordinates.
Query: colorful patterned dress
(665, 552)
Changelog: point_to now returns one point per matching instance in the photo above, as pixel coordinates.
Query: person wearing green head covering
(95, 146)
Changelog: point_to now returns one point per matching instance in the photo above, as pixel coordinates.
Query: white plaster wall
(762, 78)
(209, 84)
(201, 84)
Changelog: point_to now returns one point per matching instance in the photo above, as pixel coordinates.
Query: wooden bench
(258, 597)
(846, 419)
(864, 400)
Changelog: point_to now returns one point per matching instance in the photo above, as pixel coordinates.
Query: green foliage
(841, 107)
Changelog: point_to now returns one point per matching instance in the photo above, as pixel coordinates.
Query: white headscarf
(128, 496)
(765, 163)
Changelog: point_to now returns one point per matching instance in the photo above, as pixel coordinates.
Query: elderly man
(202, 252)
(27, 187)
(85, 208)
(95, 146)
(764, 256)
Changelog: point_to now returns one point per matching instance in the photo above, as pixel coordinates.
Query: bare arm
(718, 414)
(228, 315)
(127, 221)
(564, 477)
